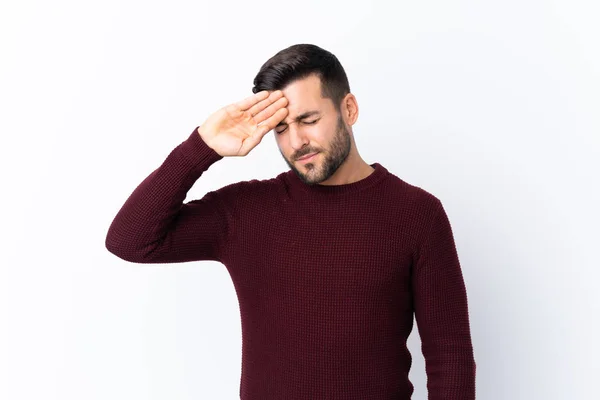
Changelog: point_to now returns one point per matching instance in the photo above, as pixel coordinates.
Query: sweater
(328, 277)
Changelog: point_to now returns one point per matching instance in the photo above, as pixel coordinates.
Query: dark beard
(340, 147)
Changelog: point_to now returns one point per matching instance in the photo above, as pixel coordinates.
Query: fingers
(278, 116)
(251, 100)
(261, 105)
(270, 110)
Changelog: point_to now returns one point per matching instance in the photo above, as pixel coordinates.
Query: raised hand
(237, 128)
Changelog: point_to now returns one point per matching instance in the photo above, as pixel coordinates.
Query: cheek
(321, 136)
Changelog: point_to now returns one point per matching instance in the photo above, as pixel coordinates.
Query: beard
(339, 148)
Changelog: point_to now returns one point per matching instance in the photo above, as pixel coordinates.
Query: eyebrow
(301, 117)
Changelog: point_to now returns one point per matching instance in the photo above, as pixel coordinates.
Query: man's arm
(441, 312)
(155, 226)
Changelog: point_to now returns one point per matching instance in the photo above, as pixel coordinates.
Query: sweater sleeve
(155, 226)
(441, 312)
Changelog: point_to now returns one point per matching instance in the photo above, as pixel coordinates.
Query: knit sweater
(328, 277)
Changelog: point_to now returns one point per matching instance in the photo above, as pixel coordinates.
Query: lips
(307, 156)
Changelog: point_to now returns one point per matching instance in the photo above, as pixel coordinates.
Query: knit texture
(328, 278)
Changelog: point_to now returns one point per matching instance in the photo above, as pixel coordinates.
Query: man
(330, 260)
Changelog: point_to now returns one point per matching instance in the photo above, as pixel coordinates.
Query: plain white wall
(491, 106)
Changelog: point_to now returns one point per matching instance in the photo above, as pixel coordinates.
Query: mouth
(308, 157)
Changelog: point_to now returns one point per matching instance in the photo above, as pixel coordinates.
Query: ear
(350, 109)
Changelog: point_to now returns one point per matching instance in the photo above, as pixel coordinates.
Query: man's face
(322, 132)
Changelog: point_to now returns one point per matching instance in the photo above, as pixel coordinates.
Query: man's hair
(300, 61)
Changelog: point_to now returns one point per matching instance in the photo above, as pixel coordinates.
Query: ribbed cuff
(197, 151)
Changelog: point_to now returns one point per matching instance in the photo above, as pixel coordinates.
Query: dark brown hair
(300, 61)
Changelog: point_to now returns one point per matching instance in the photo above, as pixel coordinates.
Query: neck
(353, 169)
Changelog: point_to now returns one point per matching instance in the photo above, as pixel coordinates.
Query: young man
(330, 260)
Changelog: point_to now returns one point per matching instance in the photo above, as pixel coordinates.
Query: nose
(297, 137)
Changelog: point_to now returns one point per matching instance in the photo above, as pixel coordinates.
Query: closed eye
(307, 123)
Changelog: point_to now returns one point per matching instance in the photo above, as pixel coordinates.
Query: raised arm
(155, 226)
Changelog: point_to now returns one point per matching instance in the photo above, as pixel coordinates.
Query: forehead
(304, 95)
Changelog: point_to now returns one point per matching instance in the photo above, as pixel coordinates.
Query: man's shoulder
(413, 206)
(249, 191)
(412, 194)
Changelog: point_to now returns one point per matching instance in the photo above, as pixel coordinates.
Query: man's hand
(236, 129)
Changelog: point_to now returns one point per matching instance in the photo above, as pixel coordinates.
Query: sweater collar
(298, 186)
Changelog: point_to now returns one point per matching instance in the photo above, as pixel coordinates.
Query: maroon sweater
(328, 278)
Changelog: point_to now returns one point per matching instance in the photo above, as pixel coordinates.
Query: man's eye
(307, 123)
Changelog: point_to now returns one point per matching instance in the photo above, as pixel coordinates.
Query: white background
(492, 106)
